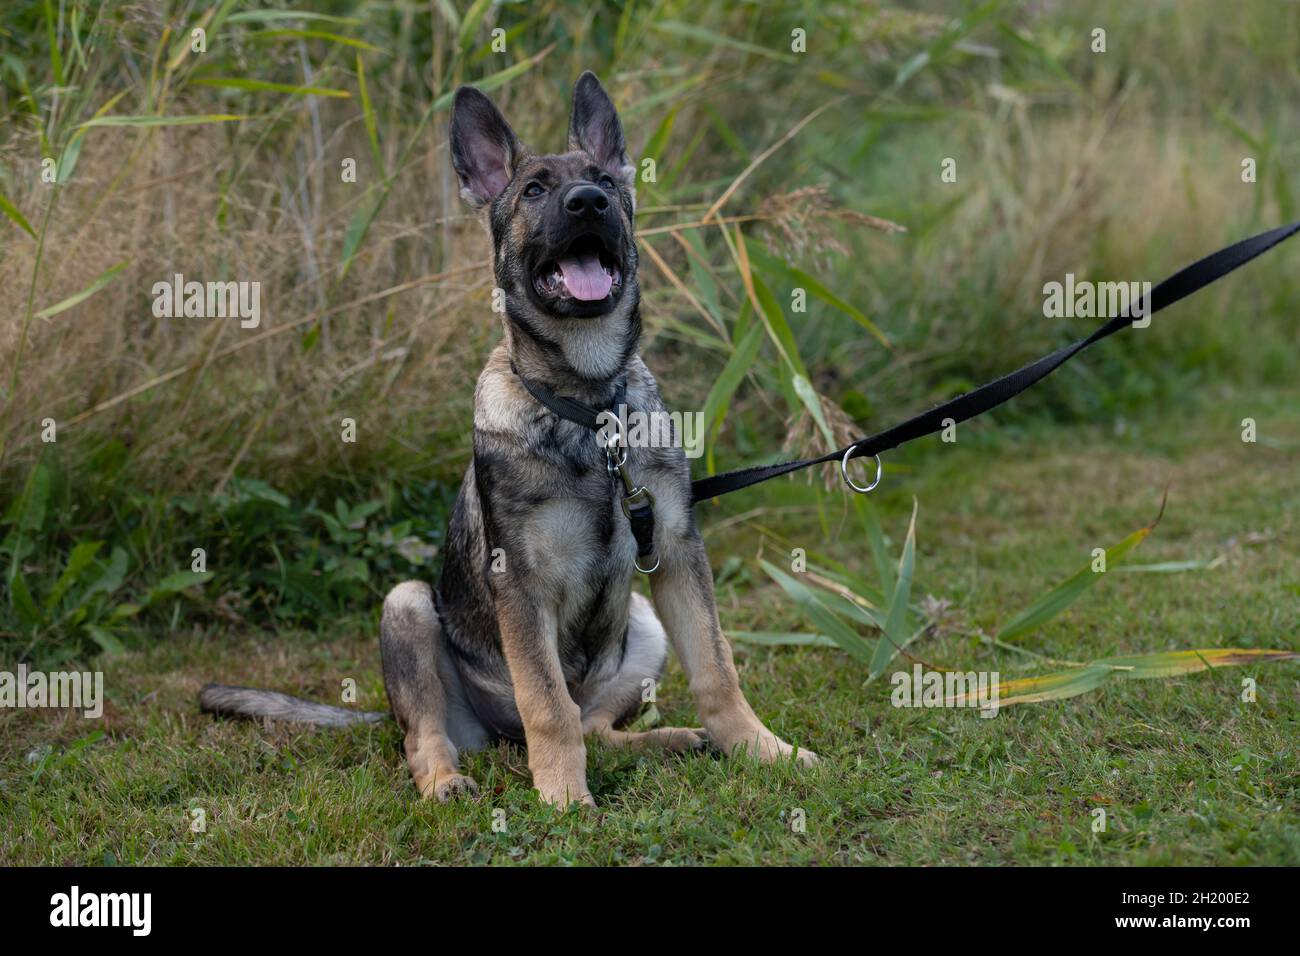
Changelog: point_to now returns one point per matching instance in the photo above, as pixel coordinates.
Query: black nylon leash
(1178, 286)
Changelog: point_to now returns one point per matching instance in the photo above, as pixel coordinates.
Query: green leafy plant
(838, 602)
(80, 602)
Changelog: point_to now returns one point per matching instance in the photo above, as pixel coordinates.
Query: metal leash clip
(615, 453)
(638, 502)
(844, 473)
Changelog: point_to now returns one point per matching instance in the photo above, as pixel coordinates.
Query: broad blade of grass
(811, 284)
(56, 57)
(895, 635)
(866, 615)
(1170, 567)
(1079, 680)
(654, 147)
(359, 226)
(317, 35)
(823, 618)
(766, 306)
(10, 210)
(175, 583)
(782, 638)
(876, 540)
(706, 286)
(1173, 663)
(20, 598)
(104, 279)
(838, 575)
(1055, 686)
(490, 83)
(243, 83)
(732, 374)
(72, 149)
(646, 720)
(80, 558)
(1067, 592)
(271, 16)
(368, 112)
(813, 402)
(692, 32)
(778, 326)
(107, 640)
(470, 22)
(164, 120)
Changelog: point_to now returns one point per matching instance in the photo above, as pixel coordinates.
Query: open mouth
(587, 271)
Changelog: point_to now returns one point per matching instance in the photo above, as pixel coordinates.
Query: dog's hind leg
(619, 697)
(425, 692)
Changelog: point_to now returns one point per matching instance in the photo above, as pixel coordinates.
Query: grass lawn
(1187, 772)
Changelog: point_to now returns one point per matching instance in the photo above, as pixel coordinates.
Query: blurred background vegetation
(774, 169)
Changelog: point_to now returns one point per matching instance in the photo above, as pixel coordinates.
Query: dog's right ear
(484, 150)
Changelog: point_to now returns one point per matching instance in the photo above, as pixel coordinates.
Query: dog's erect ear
(484, 150)
(594, 128)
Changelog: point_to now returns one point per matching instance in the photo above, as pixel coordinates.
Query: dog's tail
(251, 702)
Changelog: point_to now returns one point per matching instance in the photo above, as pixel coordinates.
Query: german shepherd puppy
(533, 633)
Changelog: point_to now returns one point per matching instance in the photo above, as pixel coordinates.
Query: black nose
(586, 201)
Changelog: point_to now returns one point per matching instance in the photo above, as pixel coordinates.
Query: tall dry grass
(771, 166)
(1058, 172)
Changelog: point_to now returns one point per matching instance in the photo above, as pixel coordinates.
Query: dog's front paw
(767, 747)
(806, 758)
(452, 785)
(561, 791)
(566, 796)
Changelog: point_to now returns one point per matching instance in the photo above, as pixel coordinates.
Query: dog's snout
(586, 201)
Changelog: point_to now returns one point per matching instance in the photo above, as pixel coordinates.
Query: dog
(534, 633)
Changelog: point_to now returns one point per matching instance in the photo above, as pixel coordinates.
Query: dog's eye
(606, 182)
(533, 190)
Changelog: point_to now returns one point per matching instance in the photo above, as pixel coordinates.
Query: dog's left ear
(594, 128)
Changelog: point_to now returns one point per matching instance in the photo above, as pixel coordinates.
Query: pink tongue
(585, 277)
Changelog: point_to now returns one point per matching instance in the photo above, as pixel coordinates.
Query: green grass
(1187, 772)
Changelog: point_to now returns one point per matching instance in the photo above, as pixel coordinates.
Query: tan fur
(684, 599)
(557, 755)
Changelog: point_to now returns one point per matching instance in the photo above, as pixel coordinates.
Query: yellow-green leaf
(317, 35)
(1079, 680)
(270, 16)
(895, 637)
(104, 279)
(10, 210)
(1173, 663)
(163, 120)
(1064, 594)
(243, 83)
(368, 112)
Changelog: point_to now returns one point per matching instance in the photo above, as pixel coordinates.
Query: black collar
(570, 409)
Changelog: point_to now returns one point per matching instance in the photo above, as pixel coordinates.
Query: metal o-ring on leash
(844, 473)
(637, 563)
